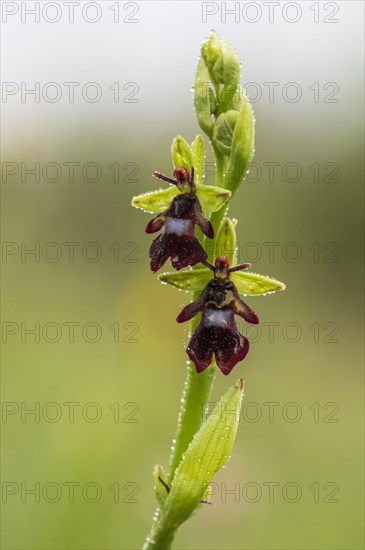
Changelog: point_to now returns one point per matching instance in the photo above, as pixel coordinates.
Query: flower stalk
(201, 447)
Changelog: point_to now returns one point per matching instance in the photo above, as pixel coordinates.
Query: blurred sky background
(126, 393)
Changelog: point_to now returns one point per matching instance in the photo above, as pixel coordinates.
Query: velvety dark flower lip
(217, 332)
(179, 241)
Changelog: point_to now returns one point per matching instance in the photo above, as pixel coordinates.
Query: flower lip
(217, 333)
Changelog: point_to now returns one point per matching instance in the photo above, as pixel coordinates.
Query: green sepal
(156, 201)
(242, 146)
(161, 487)
(226, 240)
(202, 95)
(192, 279)
(211, 197)
(181, 153)
(197, 158)
(252, 284)
(208, 452)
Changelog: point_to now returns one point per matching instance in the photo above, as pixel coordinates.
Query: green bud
(211, 50)
(211, 197)
(161, 487)
(181, 153)
(198, 155)
(223, 131)
(226, 240)
(156, 201)
(208, 452)
(221, 60)
(202, 99)
(192, 279)
(242, 145)
(252, 284)
(226, 69)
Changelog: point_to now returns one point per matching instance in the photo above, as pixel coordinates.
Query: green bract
(208, 452)
(242, 146)
(204, 100)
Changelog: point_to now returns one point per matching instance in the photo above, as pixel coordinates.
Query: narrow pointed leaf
(197, 153)
(212, 198)
(192, 279)
(208, 452)
(156, 201)
(253, 284)
(226, 241)
(181, 153)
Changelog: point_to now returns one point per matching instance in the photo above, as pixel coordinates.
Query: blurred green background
(125, 394)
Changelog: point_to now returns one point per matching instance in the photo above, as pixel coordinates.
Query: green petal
(192, 279)
(208, 452)
(212, 198)
(181, 153)
(226, 241)
(197, 153)
(253, 284)
(156, 201)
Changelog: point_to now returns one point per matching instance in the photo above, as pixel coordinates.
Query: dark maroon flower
(217, 331)
(179, 241)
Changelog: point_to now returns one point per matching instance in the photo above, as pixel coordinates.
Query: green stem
(196, 393)
(197, 387)
(160, 537)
